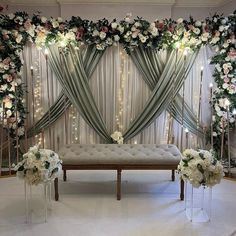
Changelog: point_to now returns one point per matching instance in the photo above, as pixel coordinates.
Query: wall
(228, 8)
(149, 11)
(111, 11)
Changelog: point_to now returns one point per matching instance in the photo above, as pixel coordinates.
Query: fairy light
(186, 130)
(37, 95)
(74, 120)
(119, 115)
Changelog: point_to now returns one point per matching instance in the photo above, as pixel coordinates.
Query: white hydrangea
(38, 166)
(200, 168)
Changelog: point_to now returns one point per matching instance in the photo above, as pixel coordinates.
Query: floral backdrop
(18, 28)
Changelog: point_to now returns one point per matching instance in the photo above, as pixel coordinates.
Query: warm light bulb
(46, 51)
(234, 111)
(31, 67)
(211, 85)
(177, 44)
(185, 52)
(186, 130)
(202, 68)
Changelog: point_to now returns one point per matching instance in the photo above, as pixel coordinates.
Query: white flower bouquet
(117, 137)
(200, 168)
(38, 166)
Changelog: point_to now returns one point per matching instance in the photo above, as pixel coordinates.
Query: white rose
(116, 38)
(43, 19)
(55, 24)
(225, 45)
(223, 22)
(198, 23)
(180, 20)
(154, 31)
(225, 86)
(114, 25)
(121, 29)
(102, 35)
(11, 16)
(221, 28)
(175, 37)
(116, 135)
(215, 40)
(137, 24)
(19, 38)
(196, 31)
(70, 36)
(59, 19)
(95, 33)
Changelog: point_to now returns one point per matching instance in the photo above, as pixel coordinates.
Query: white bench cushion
(135, 154)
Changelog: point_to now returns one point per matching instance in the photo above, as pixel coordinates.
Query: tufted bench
(119, 157)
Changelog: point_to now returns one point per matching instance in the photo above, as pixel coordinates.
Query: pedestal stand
(198, 203)
(28, 200)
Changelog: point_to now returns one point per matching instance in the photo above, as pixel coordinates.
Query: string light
(186, 130)
(119, 116)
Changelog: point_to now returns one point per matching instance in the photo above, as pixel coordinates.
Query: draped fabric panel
(70, 70)
(166, 88)
(105, 84)
(151, 64)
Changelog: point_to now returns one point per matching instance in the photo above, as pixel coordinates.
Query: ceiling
(176, 3)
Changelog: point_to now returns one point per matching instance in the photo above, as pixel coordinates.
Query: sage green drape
(151, 65)
(56, 111)
(72, 69)
(90, 60)
(160, 77)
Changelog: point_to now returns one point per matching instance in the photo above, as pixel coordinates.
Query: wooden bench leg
(173, 175)
(181, 190)
(56, 189)
(64, 175)
(118, 184)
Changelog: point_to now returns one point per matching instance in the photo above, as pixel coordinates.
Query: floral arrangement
(38, 166)
(200, 168)
(117, 137)
(18, 28)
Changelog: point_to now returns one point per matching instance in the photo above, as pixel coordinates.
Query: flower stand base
(29, 201)
(198, 203)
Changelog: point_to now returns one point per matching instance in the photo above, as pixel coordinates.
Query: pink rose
(5, 37)
(226, 79)
(27, 24)
(226, 71)
(160, 25)
(61, 27)
(191, 27)
(171, 28)
(232, 53)
(7, 60)
(104, 29)
(79, 33)
(217, 34)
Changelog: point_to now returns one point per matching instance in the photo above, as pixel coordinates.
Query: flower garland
(16, 29)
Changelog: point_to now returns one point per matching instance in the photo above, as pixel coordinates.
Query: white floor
(149, 206)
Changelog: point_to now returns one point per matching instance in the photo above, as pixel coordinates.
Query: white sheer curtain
(120, 93)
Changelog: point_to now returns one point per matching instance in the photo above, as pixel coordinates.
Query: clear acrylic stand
(198, 203)
(28, 200)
